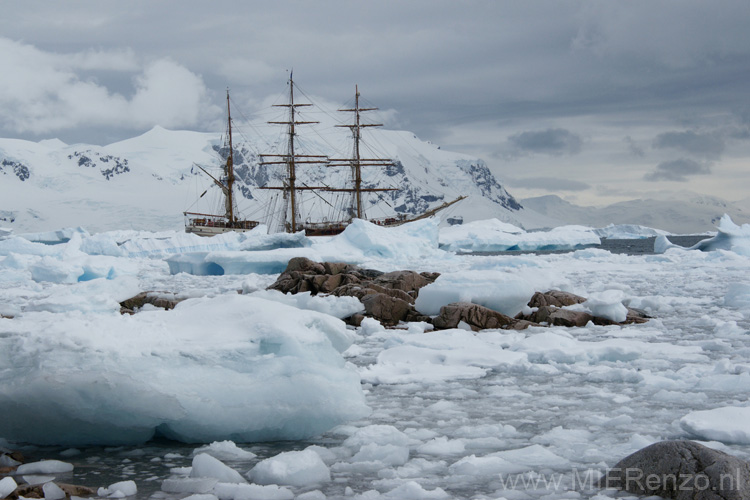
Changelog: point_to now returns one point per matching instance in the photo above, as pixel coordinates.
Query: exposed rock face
(556, 298)
(681, 470)
(157, 299)
(476, 316)
(387, 297)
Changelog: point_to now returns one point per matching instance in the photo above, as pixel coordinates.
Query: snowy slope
(148, 181)
(690, 213)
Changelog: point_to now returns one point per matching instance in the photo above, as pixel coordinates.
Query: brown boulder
(386, 309)
(555, 298)
(476, 316)
(163, 300)
(559, 317)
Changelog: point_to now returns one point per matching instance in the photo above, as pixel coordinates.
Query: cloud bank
(47, 92)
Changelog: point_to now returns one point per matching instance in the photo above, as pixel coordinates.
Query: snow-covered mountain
(681, 213)
(148, 181)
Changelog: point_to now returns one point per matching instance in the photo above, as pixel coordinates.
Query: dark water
(645, 246)
(642, 246)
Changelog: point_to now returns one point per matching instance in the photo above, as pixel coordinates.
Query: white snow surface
(494, 235)
(384, 413)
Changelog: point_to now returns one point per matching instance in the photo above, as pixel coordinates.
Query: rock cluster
(387, 297)
(681, 470)
(390, 297)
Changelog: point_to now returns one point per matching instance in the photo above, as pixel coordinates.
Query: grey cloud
(677, 170)
(549, 184)
(553, 141)
(634, 148)
(705, 145)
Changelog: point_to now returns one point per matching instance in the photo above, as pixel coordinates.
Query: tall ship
(285, 211)
(291, 160)
(204, 224)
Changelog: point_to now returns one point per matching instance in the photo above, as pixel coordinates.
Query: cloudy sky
(593, 101)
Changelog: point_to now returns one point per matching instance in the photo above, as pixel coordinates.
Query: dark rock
(681, 470)
(304, 265)
(35, 491)
(555, 298)
(476, 316)
(388, 297)
(386, 309)
(157, 299)
(559, 317)
(636, 316)
(407, 281)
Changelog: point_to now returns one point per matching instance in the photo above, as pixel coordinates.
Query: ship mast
(291, 159)
(229, 171)
(357, 162)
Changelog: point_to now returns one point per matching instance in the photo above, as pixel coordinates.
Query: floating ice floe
(291, 468)
(730, 236)
(728, 424)
(266, 371)
(496, 236)
(225, 450)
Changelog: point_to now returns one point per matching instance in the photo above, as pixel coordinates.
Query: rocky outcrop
(681, 470)
(162, 300)
(476, 316)
(390, 298)
(387, 297)
(37, 491)
(548, 310)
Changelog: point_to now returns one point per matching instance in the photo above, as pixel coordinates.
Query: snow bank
(727, 424)
(495, 236)
(408, 242)
(339, 307)
(266, 371)
(497, 290)
(730, 236)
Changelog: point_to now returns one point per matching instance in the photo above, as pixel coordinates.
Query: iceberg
(729, 236)
(496, 236)
(628, 232)
(267, 371)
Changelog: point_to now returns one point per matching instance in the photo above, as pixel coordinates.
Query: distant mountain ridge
(148, 181)
(685, 213)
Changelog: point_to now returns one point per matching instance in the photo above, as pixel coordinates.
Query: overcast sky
(593, 101)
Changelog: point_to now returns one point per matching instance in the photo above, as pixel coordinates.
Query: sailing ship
(212, 224)
(291, 189)
(292, 221)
